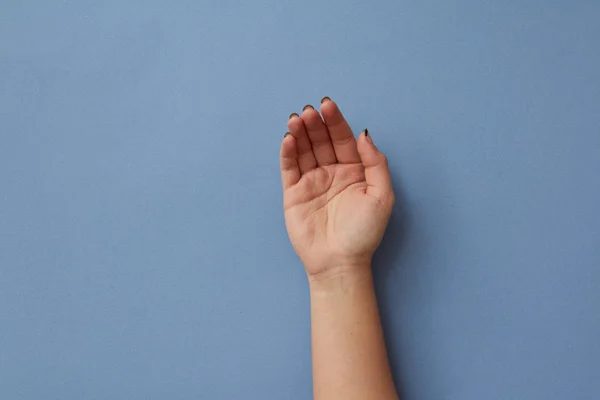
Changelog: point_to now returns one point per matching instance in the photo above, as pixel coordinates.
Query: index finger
(341, 135)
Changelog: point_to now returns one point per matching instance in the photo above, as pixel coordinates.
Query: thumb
(377, 173)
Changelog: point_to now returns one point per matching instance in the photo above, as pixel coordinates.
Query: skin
(338, 199)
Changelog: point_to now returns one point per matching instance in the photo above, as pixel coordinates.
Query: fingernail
(368, 137)
(293, 115)
(286, 134)
(307, 106)
(324, 99)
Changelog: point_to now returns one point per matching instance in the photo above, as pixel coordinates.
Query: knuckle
(390, 198)
(383, 160)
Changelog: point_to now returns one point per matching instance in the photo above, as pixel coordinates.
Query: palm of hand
(334, 215)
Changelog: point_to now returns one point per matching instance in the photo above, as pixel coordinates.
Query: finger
(341, 135)
(288, 158)
(319, 137)
(306, 157)
(377, 173)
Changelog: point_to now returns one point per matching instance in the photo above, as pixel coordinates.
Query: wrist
(341, 277)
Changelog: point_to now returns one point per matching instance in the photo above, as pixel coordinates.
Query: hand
(337, 192)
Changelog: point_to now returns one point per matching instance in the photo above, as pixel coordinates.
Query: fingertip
(330, 111)
(369, 153)
(288, 145)
(364, 140)
(295, 124)
(311, 118)
(290, 171)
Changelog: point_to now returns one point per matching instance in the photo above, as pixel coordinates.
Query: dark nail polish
(366, 131)
(324, 99)
(307, 106)
(286, 134)
(293, 115)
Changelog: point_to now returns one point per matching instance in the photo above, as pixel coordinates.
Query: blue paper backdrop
(143, 253)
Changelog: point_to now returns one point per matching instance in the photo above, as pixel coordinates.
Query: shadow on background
(386, 260)
(416, 258)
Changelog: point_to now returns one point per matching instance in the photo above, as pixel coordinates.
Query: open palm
(337, 191)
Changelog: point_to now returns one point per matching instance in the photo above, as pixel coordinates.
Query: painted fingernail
(293, 115)
(324, 99)
(307, 106)
(286, 134)
(366, 131)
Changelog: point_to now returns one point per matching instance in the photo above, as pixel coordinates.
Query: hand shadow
(386, 263)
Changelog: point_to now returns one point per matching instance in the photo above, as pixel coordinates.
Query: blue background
(143, 253)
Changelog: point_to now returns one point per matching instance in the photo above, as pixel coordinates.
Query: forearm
(348, 349)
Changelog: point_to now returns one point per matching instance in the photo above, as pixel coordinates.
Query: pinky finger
(290, 171)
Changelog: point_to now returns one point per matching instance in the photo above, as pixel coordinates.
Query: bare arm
(337, 200)
(349, 358)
